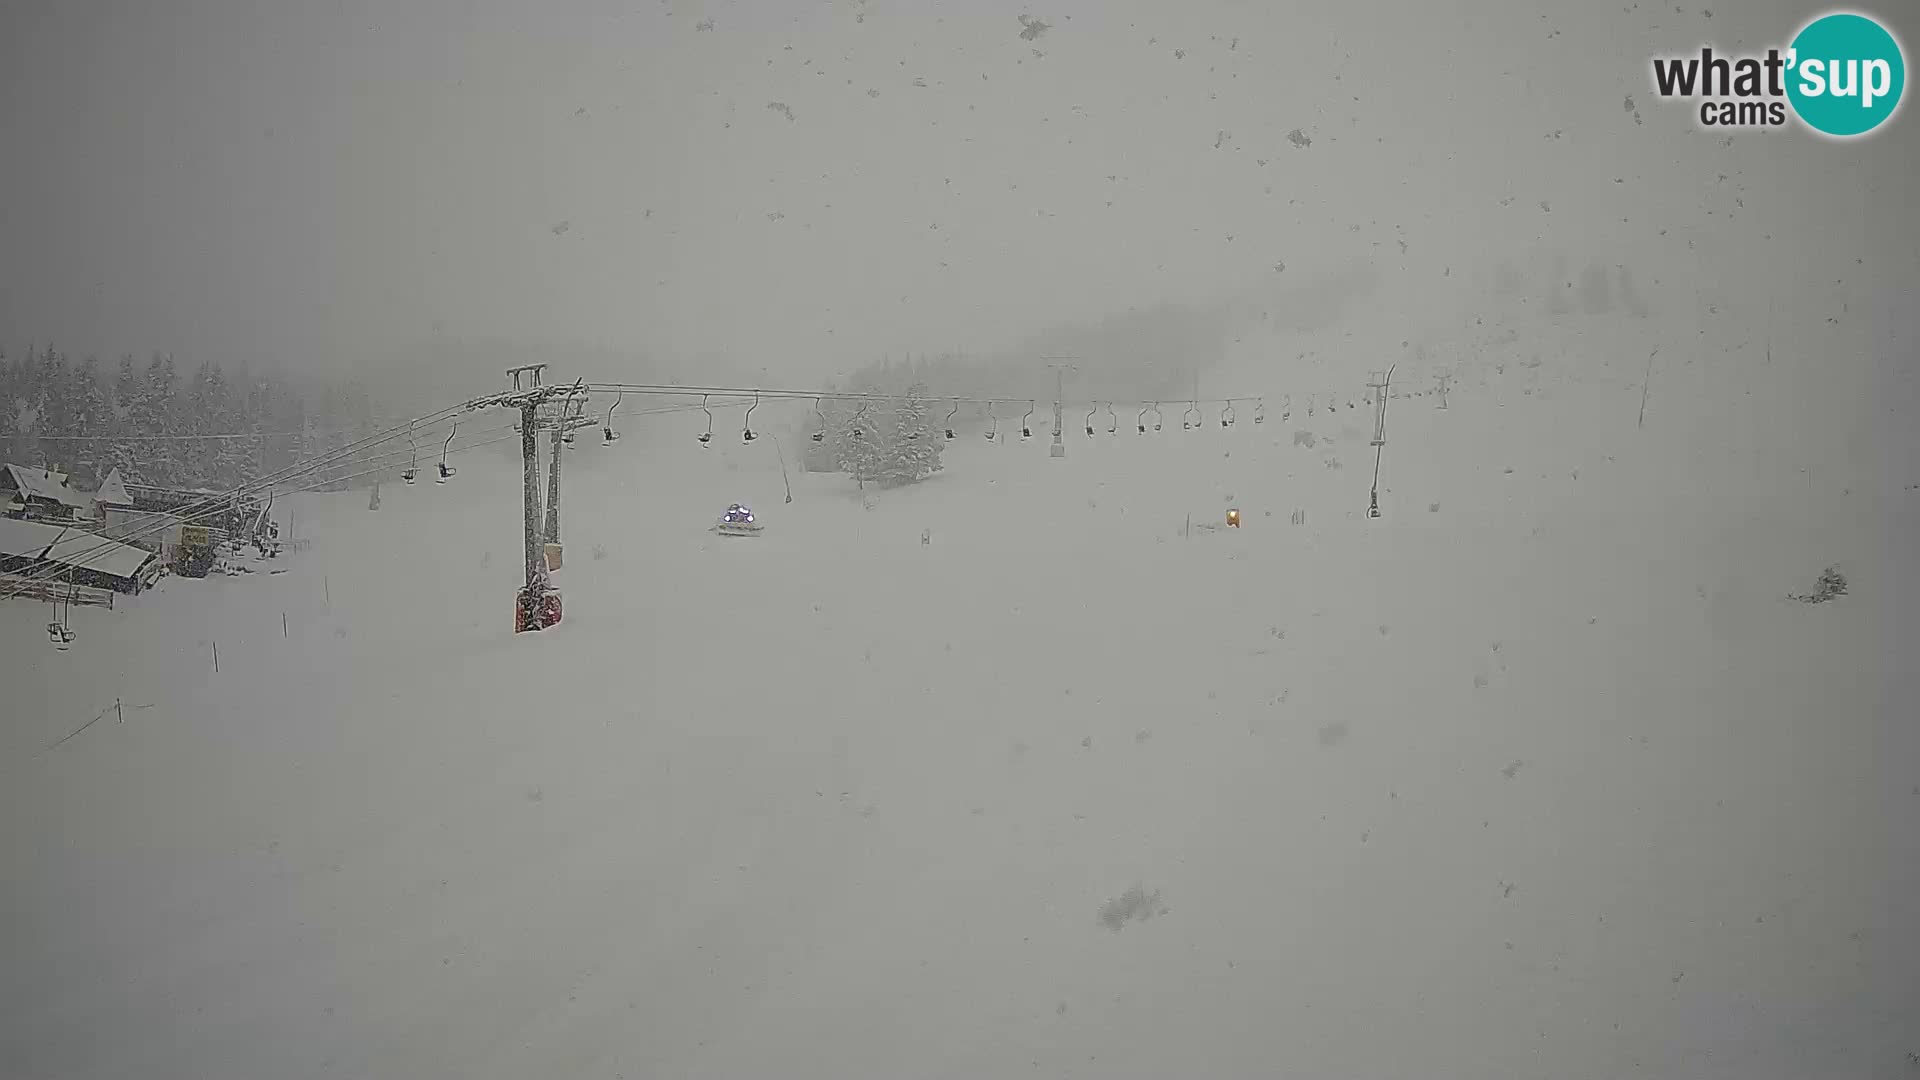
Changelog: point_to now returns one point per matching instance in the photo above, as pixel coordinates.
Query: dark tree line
(1129, 358)
(154, 420)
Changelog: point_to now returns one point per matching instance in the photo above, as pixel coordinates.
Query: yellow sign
(1233, 519)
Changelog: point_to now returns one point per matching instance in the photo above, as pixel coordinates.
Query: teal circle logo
(1846, 75)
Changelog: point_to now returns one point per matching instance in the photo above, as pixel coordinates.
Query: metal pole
(1060, 368)
(560, 429)
(553, 482)
(1646, 384)
(530, 495)
(780, 450)
(1381, 393)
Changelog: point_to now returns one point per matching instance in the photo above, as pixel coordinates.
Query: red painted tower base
(524, 605)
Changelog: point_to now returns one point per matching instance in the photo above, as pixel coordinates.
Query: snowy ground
(1549, 780)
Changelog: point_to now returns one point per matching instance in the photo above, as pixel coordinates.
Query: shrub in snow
(1134, 905)
(1832, 583)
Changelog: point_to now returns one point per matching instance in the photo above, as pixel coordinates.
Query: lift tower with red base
(537, 605)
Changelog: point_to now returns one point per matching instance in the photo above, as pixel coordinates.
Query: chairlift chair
(446, 470)
(955, 409)
(746, 426)
(608, 436)
(59, 630)
(706, 437)
(1026, 432)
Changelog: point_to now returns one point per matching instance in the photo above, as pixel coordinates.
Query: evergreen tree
(854, 437)
(912, 451)
(198, 415)
(52, 399)
(126, 386)
(121, 398)
(231, 458)
(90, 419)
(289, 423)
(152, 413)
(326, 437)
(9, 407)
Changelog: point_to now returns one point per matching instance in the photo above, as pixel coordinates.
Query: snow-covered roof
(73, 547)
(38, 484)
(113, 489)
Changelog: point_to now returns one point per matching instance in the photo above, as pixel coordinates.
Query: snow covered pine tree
(855, 441)
(913, 452)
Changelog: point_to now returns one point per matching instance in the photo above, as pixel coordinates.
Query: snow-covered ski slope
(1547, 781)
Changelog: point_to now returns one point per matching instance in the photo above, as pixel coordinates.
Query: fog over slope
(345, 185)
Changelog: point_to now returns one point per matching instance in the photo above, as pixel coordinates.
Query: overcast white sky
(313, 184)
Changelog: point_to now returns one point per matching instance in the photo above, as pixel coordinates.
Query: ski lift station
(75, 555)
